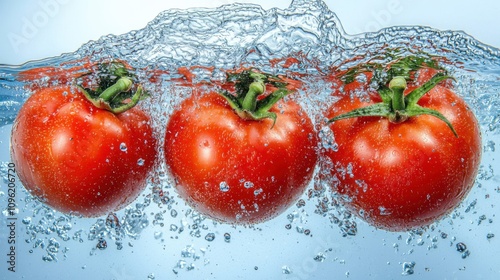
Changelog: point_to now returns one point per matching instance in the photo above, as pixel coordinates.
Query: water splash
(246, 35)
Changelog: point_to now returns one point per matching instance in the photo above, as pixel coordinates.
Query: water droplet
(173, 213)
(490, 236)
(227, 237)
(408, 268)
(210, 237)
(27, 220)
(151, 276)
(286, 270)
(301, 203)
(224, 187)
(123, 147)
(248, 184)
(258, 191)
(101, 244)
(320, 257)
(461, 247)
(140, 162)
(384, 211)
(158, 235)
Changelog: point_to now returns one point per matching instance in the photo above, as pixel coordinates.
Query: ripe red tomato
(236, 170)
(399, 176)
(78, 158)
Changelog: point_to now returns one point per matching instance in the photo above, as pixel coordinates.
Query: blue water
(161, 236)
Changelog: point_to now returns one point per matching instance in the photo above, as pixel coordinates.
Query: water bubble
(408, 268)
(140, 162)
(27, 220)
(490, 236)
(301, 203)
(465, 254)
(384, 211)
(158, 235)
(224, 187)
(461, 247)
(210, 237)
(123, 147)
(248, 184)
(151, 276)
(227, 237)
(286, 270)
(173, 213)
(320, 257)
(101, 244)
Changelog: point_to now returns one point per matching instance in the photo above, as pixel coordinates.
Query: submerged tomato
(404, 175)
(236, 170)
(78, 158)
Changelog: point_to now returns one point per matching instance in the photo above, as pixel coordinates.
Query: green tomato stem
(250, 101)
(122, 85)
(398, 86)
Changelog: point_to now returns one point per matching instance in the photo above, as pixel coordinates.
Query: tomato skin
(208, 147)
(410, 174)
(68, 153)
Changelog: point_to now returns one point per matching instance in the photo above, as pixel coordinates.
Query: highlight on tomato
(409, 150)
(243, 155)
(85, 151)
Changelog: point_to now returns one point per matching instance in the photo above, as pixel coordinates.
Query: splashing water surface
(315, 239)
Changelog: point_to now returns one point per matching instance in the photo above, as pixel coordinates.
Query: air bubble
(123, 147)
(286, 270)
(408, 268)
(101, 244)
(210, 237)
(227, 237)
(224, 187)
(461, 247)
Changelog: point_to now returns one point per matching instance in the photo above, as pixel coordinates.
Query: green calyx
(395, 105)
(116, 91)
(249, 85)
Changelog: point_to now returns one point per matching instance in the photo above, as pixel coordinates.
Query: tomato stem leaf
(416, 94)
(116, 89)
(249, 85)
(376, 110)
(395, 105)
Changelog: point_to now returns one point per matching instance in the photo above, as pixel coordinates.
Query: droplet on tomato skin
(123, 147)
(384, 211)
(140, 162)
(248, 184)
(257, 192)
(224, 187)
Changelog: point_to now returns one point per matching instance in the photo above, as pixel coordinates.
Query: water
(159, 235)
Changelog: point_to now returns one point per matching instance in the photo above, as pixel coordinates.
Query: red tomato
(236, 170)
(399, 176)
(80, 159)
